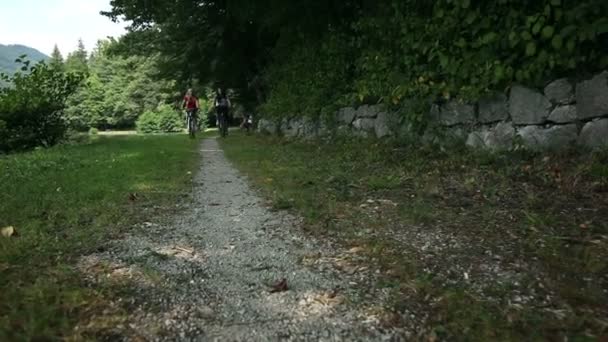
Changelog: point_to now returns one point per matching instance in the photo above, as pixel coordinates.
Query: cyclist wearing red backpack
(190, 102)
(191, 105)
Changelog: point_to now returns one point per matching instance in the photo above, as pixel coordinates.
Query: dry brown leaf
(8, 232)
(328, 298)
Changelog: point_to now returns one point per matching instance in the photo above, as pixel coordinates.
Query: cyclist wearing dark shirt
(222, 107)
(247, 123)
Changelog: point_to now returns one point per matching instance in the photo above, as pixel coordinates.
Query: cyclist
(222, 107)
(191, 105)
(247, 123)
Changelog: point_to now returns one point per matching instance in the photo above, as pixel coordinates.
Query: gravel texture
(208, 274)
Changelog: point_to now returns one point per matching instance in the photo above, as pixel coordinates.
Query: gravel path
(208, 275)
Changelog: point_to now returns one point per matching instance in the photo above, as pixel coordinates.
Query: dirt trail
(207, 274)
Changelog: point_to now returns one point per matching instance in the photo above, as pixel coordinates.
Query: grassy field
(483, 246)
(68, 201)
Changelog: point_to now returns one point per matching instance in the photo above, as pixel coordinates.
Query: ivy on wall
(445, 49)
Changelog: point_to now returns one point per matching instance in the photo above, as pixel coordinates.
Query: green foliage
(31, 110)
(310, 57)
(464, 49)
(57, 59)
(441, 50)
(227, 43)
(77, 61)
(165, 119)
(311, 82)
(118, 91)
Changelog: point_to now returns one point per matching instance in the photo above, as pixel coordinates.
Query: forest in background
(98, 90)
(117, 90)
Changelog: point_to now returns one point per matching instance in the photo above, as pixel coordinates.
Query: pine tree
(57, 59)
(77, 61)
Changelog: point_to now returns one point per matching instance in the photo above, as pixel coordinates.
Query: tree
(118, 90)
(228, 42)
(31, 110)
(308, 56)
(57, 59)
(77, 61)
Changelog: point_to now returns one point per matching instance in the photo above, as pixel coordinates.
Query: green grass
(68, 201)
(550, 209)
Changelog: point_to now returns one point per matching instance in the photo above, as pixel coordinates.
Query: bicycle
(247, 124)
(223, 124)
(191, 123)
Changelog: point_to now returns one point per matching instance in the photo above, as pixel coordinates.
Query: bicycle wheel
(192, 127)
(223, 129)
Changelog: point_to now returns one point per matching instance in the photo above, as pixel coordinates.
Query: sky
(43, 23)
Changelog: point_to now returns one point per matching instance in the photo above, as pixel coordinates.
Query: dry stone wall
(563, 114)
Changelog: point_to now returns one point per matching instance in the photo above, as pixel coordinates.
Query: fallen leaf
(8, 232)
(388, 202)
(186, 250)
(356, 250)
(281, 286)
(328, 298)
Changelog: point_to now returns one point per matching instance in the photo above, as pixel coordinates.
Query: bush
(164, 119)
(93, 131)
(31, 109)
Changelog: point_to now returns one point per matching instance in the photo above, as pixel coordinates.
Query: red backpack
(190, 102)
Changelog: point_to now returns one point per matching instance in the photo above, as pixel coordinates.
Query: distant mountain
(8, 54)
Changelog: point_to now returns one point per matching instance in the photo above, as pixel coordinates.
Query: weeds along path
(213, 273)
